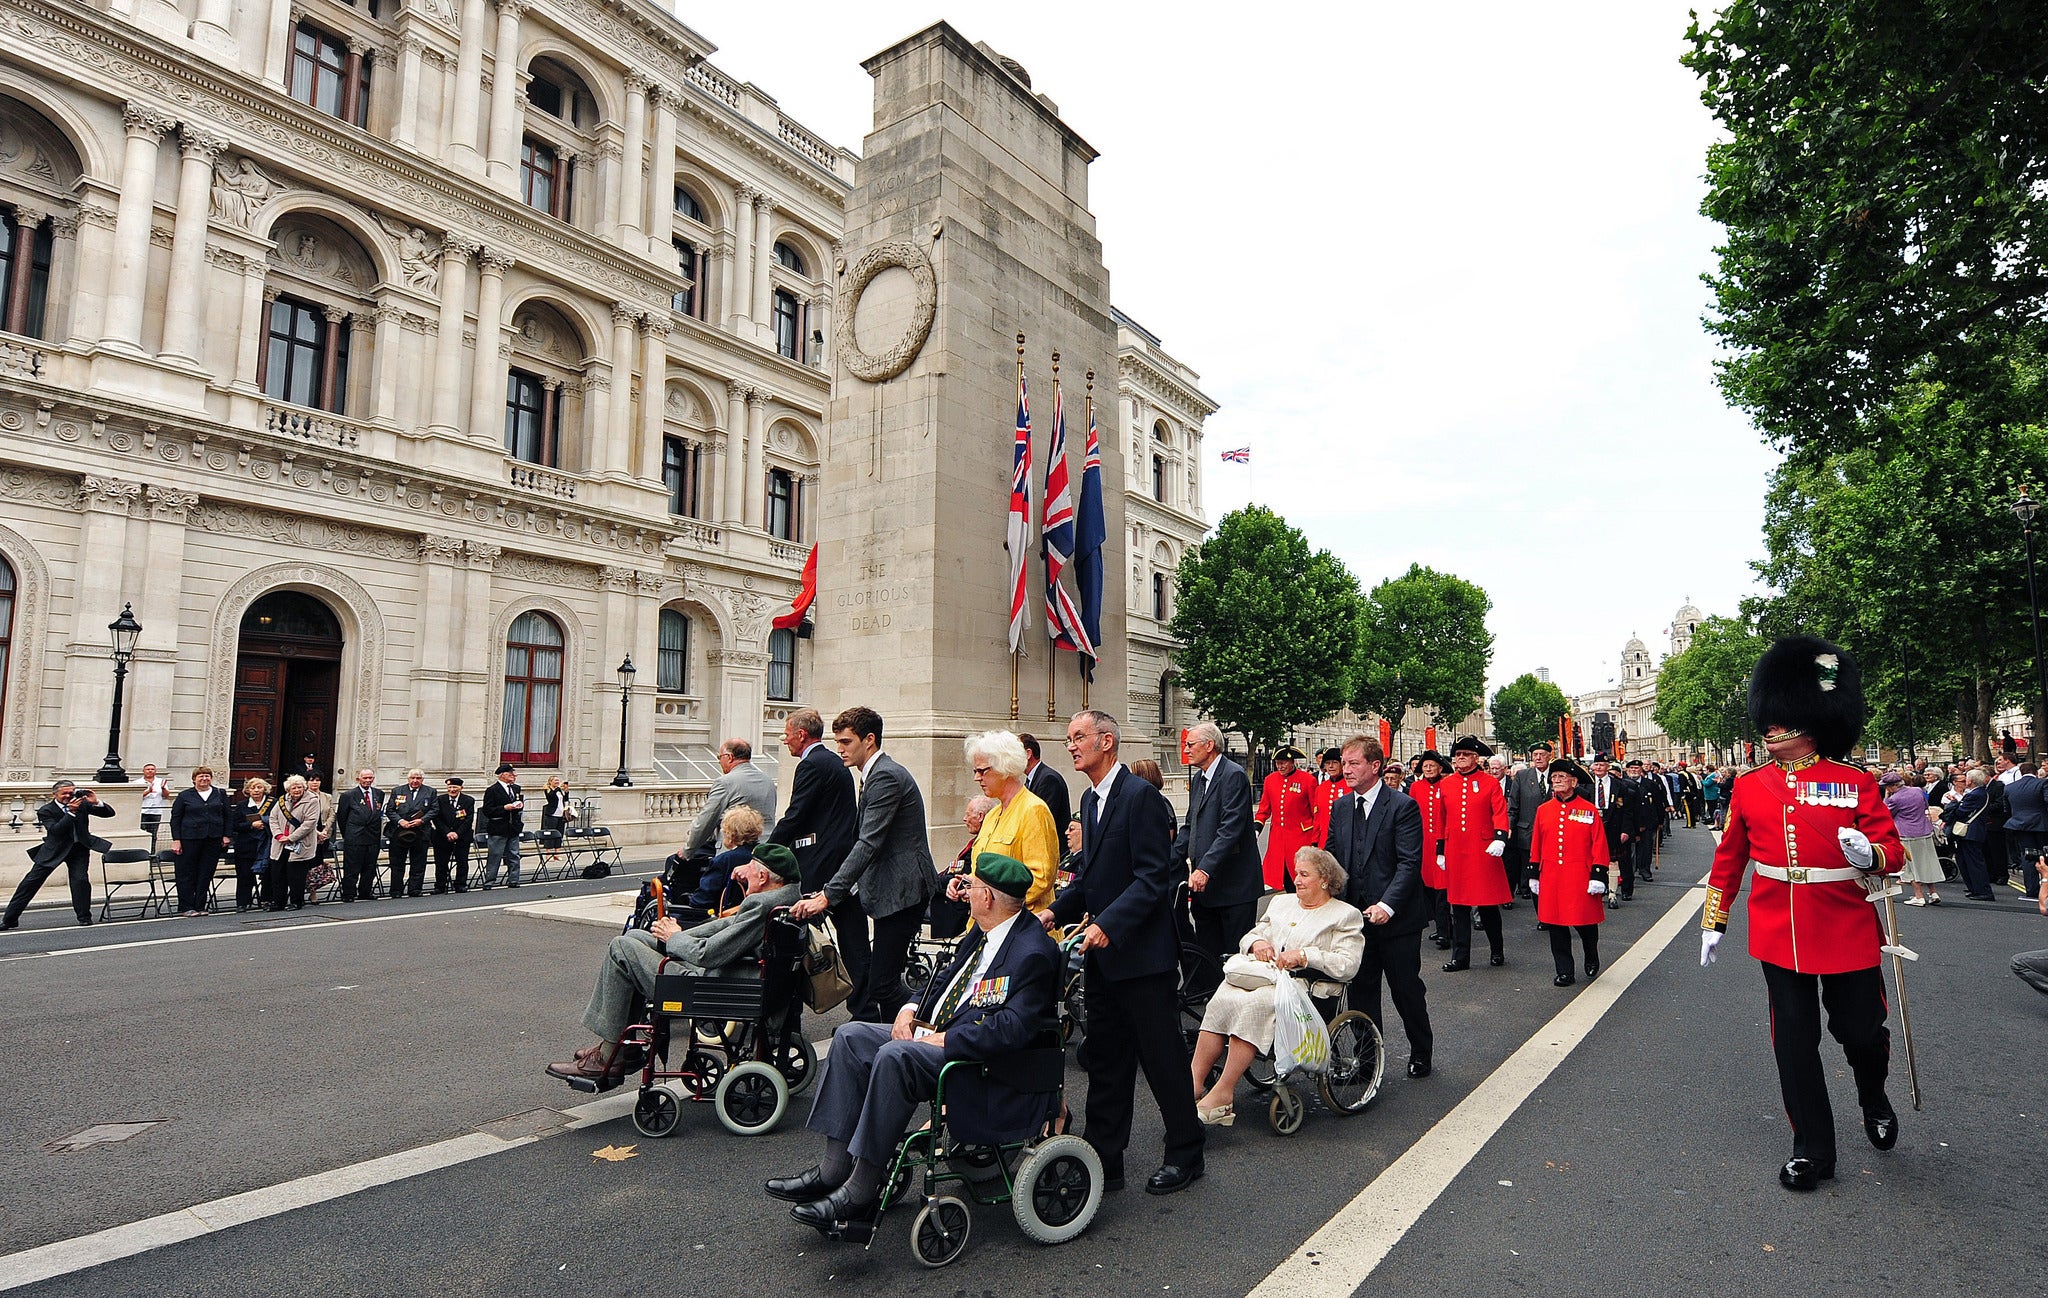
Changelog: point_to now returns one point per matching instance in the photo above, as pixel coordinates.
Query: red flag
(1387, 736)
(801, 605)
(1429, 738)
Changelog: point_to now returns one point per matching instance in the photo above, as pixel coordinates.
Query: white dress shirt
(1103, 787)
(991, 945)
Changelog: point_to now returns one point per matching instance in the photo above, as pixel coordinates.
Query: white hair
(1003, 751)
(1207, 732)
(1977, 777)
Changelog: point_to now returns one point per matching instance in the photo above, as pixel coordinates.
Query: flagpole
(1052, 688)
(1098, 648)
(1013, 648)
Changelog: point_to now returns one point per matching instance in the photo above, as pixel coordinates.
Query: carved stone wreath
(878, 366)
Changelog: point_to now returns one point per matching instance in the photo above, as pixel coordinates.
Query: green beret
(1003, 873)
(777, 858)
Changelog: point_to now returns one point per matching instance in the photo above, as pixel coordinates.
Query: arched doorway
(287, 686)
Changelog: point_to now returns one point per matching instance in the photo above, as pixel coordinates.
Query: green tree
(1884, 188)
(1702, 694)
(1266, 628)
(1424, 644)
(1525, 711)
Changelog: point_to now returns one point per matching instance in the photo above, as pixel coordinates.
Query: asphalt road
(1644, 1163)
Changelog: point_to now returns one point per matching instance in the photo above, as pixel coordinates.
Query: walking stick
(1885, 892)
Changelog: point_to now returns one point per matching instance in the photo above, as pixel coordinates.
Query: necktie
(1198, 783)
(1603, 793)
(958, 991)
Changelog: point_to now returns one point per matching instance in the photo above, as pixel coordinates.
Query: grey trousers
(871, 1088)
(2032, 967)
(624, 983)
(505, 849)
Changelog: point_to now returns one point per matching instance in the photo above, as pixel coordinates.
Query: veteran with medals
(1817, 837)
(1287, 812)
(1568, 865)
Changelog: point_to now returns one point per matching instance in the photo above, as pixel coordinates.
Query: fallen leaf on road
(1769, 1248)
(615, 1153)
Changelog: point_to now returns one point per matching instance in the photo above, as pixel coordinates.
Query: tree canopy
(1702, 695)
(1526, 710)
(1267, 629)
(1424, 644)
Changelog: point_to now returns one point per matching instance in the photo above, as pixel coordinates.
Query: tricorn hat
(1289, 752)
(1471, 744)
(1566, 766)
(1805, 683)
(1428, 755)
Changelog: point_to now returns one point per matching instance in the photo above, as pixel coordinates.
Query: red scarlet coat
(1327, 794)
(1565, 846)
(1475, 815)
(1785, 815)
(1287, 809)
(1430, 798)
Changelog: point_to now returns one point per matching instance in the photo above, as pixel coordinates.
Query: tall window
(306, 362)
(6, 630)
(533, 692)
(329, 76)
(533, 414)
(687, 205)
(1159, 596)
(546, 96)
(682, 465)
(1159, 478)
(672, 659)
(789, 258)
(782, 665)
(789, 329)
(24, 276)
(1166, 701)
(781, 504)
(688, 265)
(544, 178)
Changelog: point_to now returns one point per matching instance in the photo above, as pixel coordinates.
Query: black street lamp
(2024, 509)
(626, 674)
(124, 629)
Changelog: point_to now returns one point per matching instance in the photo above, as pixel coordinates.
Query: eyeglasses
(980, 771)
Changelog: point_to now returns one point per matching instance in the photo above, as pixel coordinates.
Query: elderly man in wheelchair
(994, 999)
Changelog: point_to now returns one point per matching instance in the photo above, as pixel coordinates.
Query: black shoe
(1804, 1174)
(1507, 905)
(1173, 1177)
(1563, 980)
(6, 924)
(85, 921)
(511, 885)
(440, 892)
(837, 1216)
(1592, 970)
(1456, 966)
(1112, 1178)
(1418, 1068)
(1441, 943)
(1882, 1127)
(1496, 960)
(807, 1186)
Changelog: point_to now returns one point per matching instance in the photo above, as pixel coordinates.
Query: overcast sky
(1439, 265)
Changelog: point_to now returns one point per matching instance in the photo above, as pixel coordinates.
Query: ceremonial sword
(1883, 890)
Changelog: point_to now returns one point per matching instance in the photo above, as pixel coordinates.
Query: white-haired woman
(1020, 825)
(1306, 929)
(295, 829)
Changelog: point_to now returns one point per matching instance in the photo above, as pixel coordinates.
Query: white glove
(1439, 860)
(1709, 939)
(1535, 886)
(1595, 888)
(1496, 848)
(1856, 847)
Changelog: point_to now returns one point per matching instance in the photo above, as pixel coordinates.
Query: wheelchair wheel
(1287, 1111)
(1199, 976)
(1260, 1073)
(918, 971)
(940, 1232)
(702, 1072)
(657, 1111)
(1059, 1189)
(750, 1099)
(797, 1060)
(1073, 1011)
(978, 1165)
(1358, 1063)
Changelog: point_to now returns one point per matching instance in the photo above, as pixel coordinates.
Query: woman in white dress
(1309, 928)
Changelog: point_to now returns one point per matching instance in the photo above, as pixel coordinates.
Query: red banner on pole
(1387, 736)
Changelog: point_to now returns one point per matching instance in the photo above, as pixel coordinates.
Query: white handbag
(1249, 973)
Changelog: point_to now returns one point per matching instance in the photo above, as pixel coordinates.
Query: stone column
(127, 277)
(821, 324)
(764, 257)
(727, 258)
(754, 488)
(455, 254)
(617, 606)
(632, 193)
(734, 468)
(27, 220)
(617, 454)
(413, 403)
(95, 253)
(278, 43)
(384, 351)
(597, 396)
(157, 576)
(506, 98)
(88, 691)
(184, 304)
(475, 660)
(807, 521)
(487, 372)
(210, 30)
(59, 315)
(739, 302)
(653, 395)
(605, 175)
(251, 340)
(469, 90)
(411, 55)
(434, 687)
(661, 195)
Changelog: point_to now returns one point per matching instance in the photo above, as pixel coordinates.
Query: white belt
(1798, 874)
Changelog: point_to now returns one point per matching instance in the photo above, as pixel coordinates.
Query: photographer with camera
(68, 840)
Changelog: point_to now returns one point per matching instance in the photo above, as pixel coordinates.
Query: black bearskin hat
(1808, 684)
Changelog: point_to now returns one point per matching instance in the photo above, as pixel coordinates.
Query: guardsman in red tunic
(1815, 832)
(1287, 812)
(1568, 853)
(1476, 833)
(1332, 788)
(1427, 790)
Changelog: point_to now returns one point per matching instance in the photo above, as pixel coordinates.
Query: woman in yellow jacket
(1020, 825)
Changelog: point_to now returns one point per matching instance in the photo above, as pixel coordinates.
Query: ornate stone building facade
(1626, 709)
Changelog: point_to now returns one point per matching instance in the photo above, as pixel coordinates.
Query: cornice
(1134, 365)
(757, 143)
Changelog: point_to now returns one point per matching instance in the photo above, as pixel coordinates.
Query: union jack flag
(1019, 537)
(1242, 455)
(1090, 535)
(1062, 619)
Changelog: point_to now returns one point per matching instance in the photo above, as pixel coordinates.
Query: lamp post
(2024, 509)
(123, 629)
(1906, 695)
(626, 674)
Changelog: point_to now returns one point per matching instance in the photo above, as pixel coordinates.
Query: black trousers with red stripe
(1856, 1011)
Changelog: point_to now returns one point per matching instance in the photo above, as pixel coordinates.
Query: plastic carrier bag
(1300, 1041)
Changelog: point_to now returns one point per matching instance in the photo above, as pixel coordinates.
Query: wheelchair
(742, 1046)
(1051, 1180)
(1198, 974)
(1357, 1067)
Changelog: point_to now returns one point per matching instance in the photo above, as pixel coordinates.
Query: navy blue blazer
(1219, 838)
(1015, 1008)
(1124, 881)
(2027, 797)
(822, 809)
(1387, 865)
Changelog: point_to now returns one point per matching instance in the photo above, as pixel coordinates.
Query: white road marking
(1338, 1258)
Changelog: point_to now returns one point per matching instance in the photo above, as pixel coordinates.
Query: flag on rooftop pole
(1056, 537)
(1091, 534)
(1018, 540)
(1242, 455)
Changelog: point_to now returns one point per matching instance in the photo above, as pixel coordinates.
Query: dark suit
(1618, 817)
(68, 841)
(359, 823)
(455, 816)
(1384, 863)
(408, 857)
(1218, 838)
(1124, 882)
(1526, 791)
(502, 827)
(1051, 788)
(818, 825)
(1653, 811)
(199, 826)
(873, 1085)
(890, 865)
(1997, 841)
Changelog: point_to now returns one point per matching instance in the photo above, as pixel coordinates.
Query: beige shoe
(1222, 1116)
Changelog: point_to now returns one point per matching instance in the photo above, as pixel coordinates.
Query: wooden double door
(287, 688)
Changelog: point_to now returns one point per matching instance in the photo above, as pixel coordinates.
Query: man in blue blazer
(1217, 843)
(993, 999)
(1123, 886)
(819, 824)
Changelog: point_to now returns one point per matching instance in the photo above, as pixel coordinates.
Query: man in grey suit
(890, 867)
(727, 946)
(1225, 877)
(743, 784)
(1527, 789)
